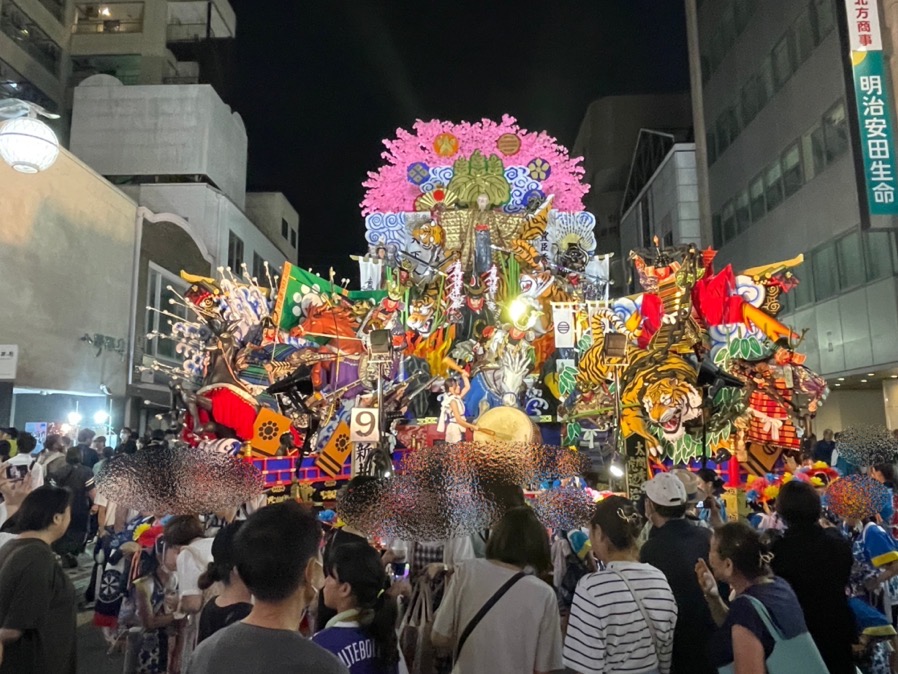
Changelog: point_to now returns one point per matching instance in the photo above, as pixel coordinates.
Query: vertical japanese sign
(873, 106)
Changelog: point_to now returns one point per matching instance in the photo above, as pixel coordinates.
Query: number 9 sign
(363, 425)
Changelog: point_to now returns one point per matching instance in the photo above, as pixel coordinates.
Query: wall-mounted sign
(873, 106)
(9, 360)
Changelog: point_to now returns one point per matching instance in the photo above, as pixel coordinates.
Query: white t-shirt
(521, 633)
(111, 508)
(606, 632)
(193, 560)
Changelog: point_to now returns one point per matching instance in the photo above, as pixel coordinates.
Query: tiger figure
(542, 285)
(421, 315)
(669, 403)
(656, 390)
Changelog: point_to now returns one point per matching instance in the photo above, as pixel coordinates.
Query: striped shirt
(607, 633)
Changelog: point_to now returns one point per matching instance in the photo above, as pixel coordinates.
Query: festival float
(480, 269)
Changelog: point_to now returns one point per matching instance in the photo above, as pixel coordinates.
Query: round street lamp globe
(28, 145)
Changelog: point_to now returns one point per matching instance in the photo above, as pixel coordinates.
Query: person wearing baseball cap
(674, 546)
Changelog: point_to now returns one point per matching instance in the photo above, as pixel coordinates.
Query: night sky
(320, 84)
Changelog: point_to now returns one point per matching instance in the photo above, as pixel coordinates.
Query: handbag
(798, 654)
(645, 614)
(414, 630)
(484, 610)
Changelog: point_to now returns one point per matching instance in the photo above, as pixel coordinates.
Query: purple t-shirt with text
(354, 648)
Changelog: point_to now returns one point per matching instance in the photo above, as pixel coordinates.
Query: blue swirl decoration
(522, 186)
(386, 228)
(439, 175)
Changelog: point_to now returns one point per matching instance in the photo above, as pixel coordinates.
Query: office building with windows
(34, 40)
(661, 196)
(781, 171)
(607, 141)
(150, 127)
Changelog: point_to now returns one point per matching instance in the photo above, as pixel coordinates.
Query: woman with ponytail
(623, 616)
(233, 603)
(363, 633)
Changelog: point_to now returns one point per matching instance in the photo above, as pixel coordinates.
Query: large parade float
(482, 292)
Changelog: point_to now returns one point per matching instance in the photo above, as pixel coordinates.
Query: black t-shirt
(817, 562)
(674, 549)
(89, 456)
(36, 597)
(214, 617)
(782, 605)
(79, 480)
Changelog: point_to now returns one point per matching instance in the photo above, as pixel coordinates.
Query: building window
(259, 269)
(235, 252)
(880, 254)
(117, 17)
(804, 293)
(792, 175)
(826, 272)
(717, 230)
(14, 85)
(19, 27)
(158, 297)
(823, 17)
(728, 215)
(645, 221)
(56, 8)
(711, 140)
(750, 100)
(805, 40)
(835, 132)
(727, 128)
(758, 200)
(743, 12)
(851, 261)
(123, 67)
(743, 216)
(782, 61)
(285, 230)
(293, 238)
(813, 149)
(768, 86)
(723, 137)
(773, 184)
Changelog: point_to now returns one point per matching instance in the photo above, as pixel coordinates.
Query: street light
(26, 143)
(101, 417)
(74, 418)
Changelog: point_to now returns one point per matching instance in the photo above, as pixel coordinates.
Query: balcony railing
(181, 79)
(187, 32)
(108, 26)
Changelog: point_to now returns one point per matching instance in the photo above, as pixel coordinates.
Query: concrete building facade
(666, 204)
(34, 41)
(606, 141)
(782, 180)
(160, 145)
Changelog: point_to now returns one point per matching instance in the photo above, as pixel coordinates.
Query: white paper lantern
(28, 145)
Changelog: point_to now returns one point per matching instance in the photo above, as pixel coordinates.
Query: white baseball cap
(666, 489)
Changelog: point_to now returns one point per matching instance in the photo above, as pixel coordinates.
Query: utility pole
(698, 123)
